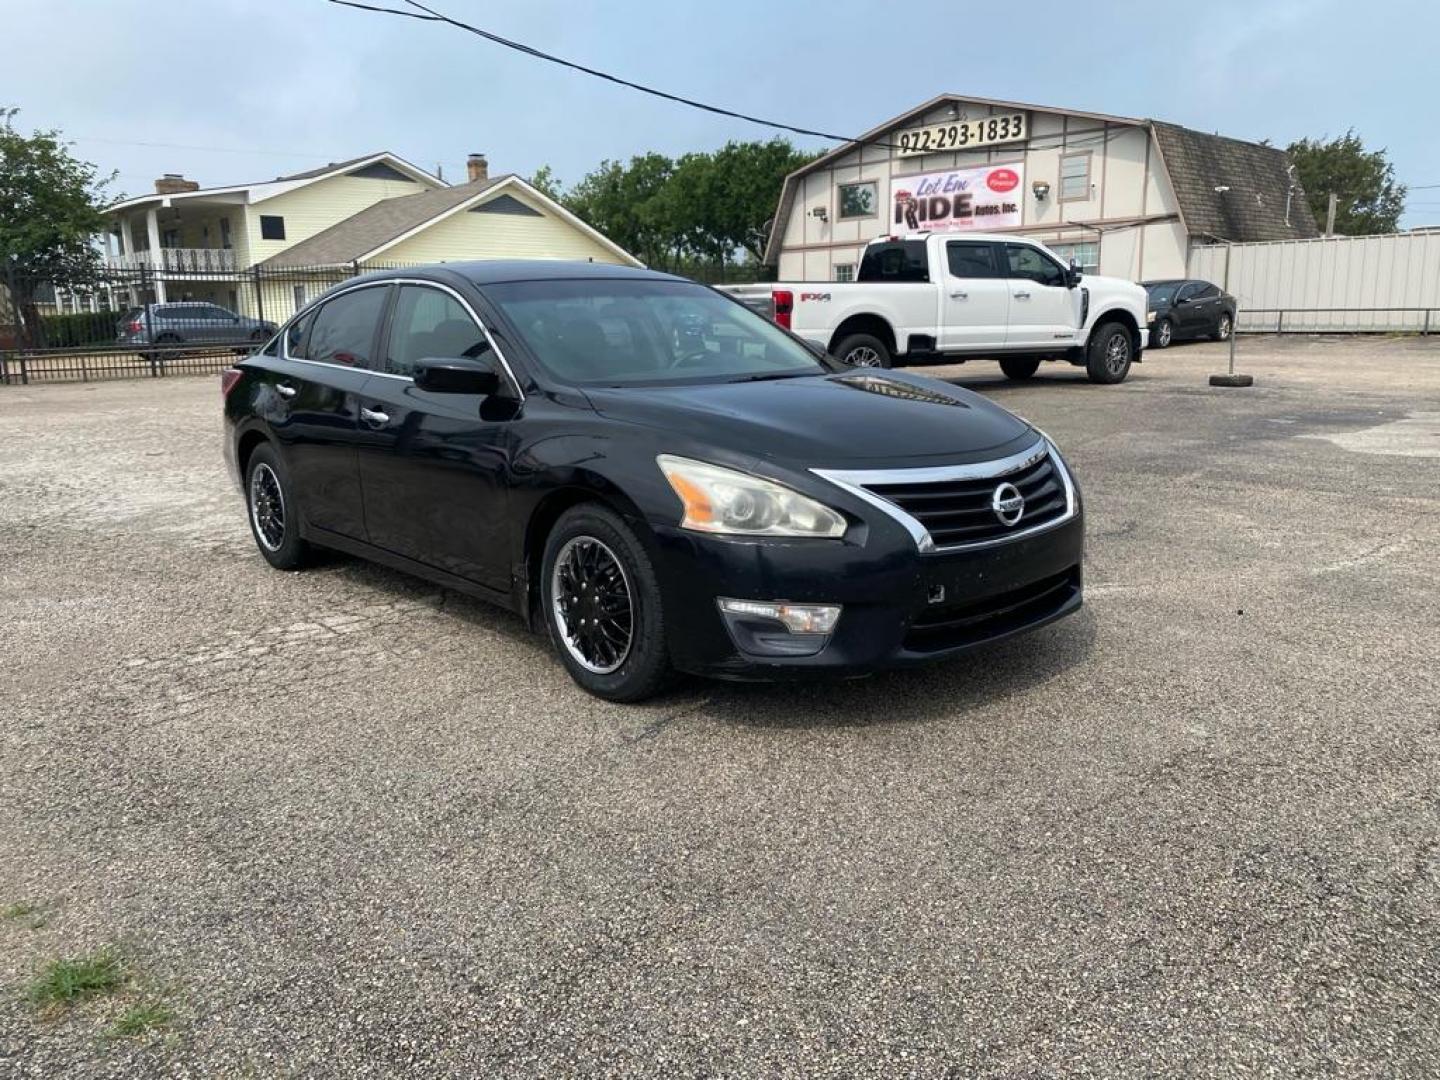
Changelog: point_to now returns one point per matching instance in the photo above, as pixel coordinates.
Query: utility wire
(425, 14)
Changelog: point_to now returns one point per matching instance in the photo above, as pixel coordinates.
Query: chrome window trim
(284, 334)
(854, 482)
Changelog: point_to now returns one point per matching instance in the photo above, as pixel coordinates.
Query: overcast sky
(241, 90)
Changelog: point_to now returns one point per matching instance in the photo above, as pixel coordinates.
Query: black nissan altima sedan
(660, 477)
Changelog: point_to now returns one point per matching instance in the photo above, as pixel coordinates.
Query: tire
(627, 659)
(1019, 367)
(283, 548)
(1164, 334)
(1109, 353)
(1224, 328)
(872, 352)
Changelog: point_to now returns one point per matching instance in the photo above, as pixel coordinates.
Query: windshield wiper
(769, 375)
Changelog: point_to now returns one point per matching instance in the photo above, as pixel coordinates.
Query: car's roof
(498, 271)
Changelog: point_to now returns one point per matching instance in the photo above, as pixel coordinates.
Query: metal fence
(128, 322)
(1331, 285)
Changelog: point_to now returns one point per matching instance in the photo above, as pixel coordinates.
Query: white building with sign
(1121, 196)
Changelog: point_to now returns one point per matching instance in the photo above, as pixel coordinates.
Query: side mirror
(1072, 275)
(816, 349)
(457, 376)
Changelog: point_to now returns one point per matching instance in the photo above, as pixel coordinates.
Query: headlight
(720, 500)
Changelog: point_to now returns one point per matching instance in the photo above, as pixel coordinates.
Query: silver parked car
(191, 322)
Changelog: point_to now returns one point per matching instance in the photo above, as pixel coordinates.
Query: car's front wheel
(1164, 334)
(1109, 353)
(274, 514)
(1224, 327)
(601, 603)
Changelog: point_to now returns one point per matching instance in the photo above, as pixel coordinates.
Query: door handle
(959, 294)
(285, 390)
(374, 417)
(1022, 296)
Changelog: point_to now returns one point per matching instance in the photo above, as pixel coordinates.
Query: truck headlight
(720, 500)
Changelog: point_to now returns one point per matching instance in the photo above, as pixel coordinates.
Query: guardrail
(1373, 320)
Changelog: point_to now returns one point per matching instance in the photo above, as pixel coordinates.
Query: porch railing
(178, 260)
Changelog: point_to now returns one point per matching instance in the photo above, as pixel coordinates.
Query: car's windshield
(619, 332)
(1162, 292)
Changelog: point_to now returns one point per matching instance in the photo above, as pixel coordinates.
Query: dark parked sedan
(1181, 310)
(659, 476)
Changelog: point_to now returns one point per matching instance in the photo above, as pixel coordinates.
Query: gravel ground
(347, 824)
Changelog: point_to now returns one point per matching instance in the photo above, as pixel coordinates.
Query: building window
(170, 238)
(1086, 256)
(298, 294)
(844, 271)
(859, 200)
(225, 233)
(272, 227)
(1075, 177)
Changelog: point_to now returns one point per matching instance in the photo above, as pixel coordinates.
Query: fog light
(797, 618)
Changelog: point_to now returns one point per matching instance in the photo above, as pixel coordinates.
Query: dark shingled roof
(323, 169)
(362, 233)
(1254, 207)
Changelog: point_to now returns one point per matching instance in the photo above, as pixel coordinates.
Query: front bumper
(901, 607)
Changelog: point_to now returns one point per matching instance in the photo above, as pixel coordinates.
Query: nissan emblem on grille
(1008, 504)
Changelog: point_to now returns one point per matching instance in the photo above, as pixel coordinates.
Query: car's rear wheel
(1019, 367)
(864, 350)
(1224, 327)
(273, 511)
(601, 603)
(1108, 356)
(1164, 334)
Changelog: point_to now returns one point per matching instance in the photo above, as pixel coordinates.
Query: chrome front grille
(954, 507)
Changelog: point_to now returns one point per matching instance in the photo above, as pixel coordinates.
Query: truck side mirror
(1072, 275)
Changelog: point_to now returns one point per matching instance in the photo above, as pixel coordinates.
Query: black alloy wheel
(601, 603)
(274, 516)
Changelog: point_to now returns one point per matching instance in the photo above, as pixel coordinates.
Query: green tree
(627, 204)
(49, 217)
(1370, 201)
(746, 188)
(545, 180)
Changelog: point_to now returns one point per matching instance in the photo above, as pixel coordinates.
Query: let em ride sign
(954, 200)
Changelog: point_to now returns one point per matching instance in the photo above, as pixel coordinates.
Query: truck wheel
(864, 350)
(1019, 367)
(1108, 355)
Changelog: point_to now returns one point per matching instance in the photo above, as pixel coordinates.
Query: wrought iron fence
(136, 321)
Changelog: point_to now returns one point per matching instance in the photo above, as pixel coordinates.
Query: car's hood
(815, 420)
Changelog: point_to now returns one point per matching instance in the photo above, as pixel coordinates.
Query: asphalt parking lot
(347, 824)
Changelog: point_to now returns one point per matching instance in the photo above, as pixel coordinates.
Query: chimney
(477, 167)
(173, 183)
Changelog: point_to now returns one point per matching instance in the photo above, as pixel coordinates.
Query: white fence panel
(1337, 284)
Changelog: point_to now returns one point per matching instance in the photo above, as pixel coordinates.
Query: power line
(425, 14)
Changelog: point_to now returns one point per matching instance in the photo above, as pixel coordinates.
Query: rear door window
(344, 328)
(295, 335)
(969, 259)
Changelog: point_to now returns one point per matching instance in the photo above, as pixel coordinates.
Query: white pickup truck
(947, 298)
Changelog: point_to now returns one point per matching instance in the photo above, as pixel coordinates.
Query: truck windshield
(896, 260)
(626, 332)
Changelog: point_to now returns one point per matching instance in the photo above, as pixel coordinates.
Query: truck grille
(961, 511)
